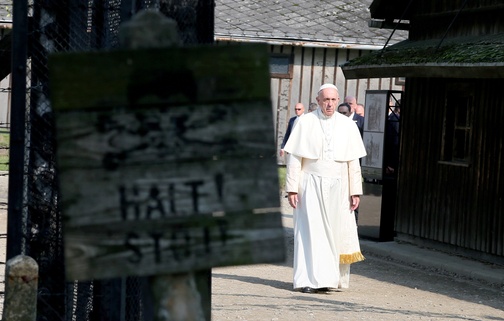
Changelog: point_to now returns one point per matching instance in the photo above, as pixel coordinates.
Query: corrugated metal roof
(341, 23)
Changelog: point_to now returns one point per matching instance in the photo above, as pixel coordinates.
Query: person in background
(324, 184)
(299, 111)
(344, 109)
(358, 119)
(312, 107)
(391, 157)
(359, 110)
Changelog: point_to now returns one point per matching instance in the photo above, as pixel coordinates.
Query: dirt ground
(380, 289)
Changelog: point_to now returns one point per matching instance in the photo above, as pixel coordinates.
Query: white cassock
(323, 168)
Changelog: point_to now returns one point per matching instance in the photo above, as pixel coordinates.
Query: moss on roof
(467, 50)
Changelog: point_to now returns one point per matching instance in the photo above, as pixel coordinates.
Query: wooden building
(450, 186)
(308, 42)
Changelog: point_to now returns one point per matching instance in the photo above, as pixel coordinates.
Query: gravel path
(380, 289)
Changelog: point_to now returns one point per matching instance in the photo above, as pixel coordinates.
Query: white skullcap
(324, 86)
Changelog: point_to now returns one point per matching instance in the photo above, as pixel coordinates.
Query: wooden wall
(436, 19)
(312, 68)
(460, 206)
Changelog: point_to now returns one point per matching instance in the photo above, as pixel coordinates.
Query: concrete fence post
(21, 283)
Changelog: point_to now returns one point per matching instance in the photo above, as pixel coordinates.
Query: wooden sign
(166, 160)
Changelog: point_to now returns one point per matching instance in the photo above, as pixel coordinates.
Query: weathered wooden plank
(373, 83)
(285, 85)
(99, 196)
(296, 84)
(351, 84)
(318, 73)
(306, 76)
(180, 133)
(339, 78)
(362, 86)
(188, 75)
(284, 114)
(329, 70)
(183, 154)
(274, 85)
(183, 244)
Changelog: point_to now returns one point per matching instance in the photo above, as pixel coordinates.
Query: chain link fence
(35, 228)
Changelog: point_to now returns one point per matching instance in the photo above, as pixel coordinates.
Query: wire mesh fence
(55, 26)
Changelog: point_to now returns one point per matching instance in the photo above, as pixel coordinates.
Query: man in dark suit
(360, 109)
(299, 110)
(391, 155)
(344, 109)
(358, 119)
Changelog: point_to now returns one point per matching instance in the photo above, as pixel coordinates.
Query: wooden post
(175, 296)
(21, 284)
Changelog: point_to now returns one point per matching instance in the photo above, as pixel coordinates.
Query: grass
(282, 172)
(4, 150)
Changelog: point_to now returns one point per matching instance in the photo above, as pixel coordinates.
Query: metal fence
(35, 228)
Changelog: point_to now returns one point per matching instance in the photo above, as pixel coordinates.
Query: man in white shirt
(323, 184)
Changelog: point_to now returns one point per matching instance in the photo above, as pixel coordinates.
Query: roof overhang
(463, 57)
(426, 70)
(388, 24)
(296, 42)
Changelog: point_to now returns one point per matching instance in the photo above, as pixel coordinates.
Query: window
(458, 123)
(281, 65)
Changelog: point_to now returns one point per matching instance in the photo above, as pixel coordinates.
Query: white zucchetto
(324, 86)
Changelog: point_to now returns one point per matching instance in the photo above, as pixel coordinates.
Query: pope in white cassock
(324, 183)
